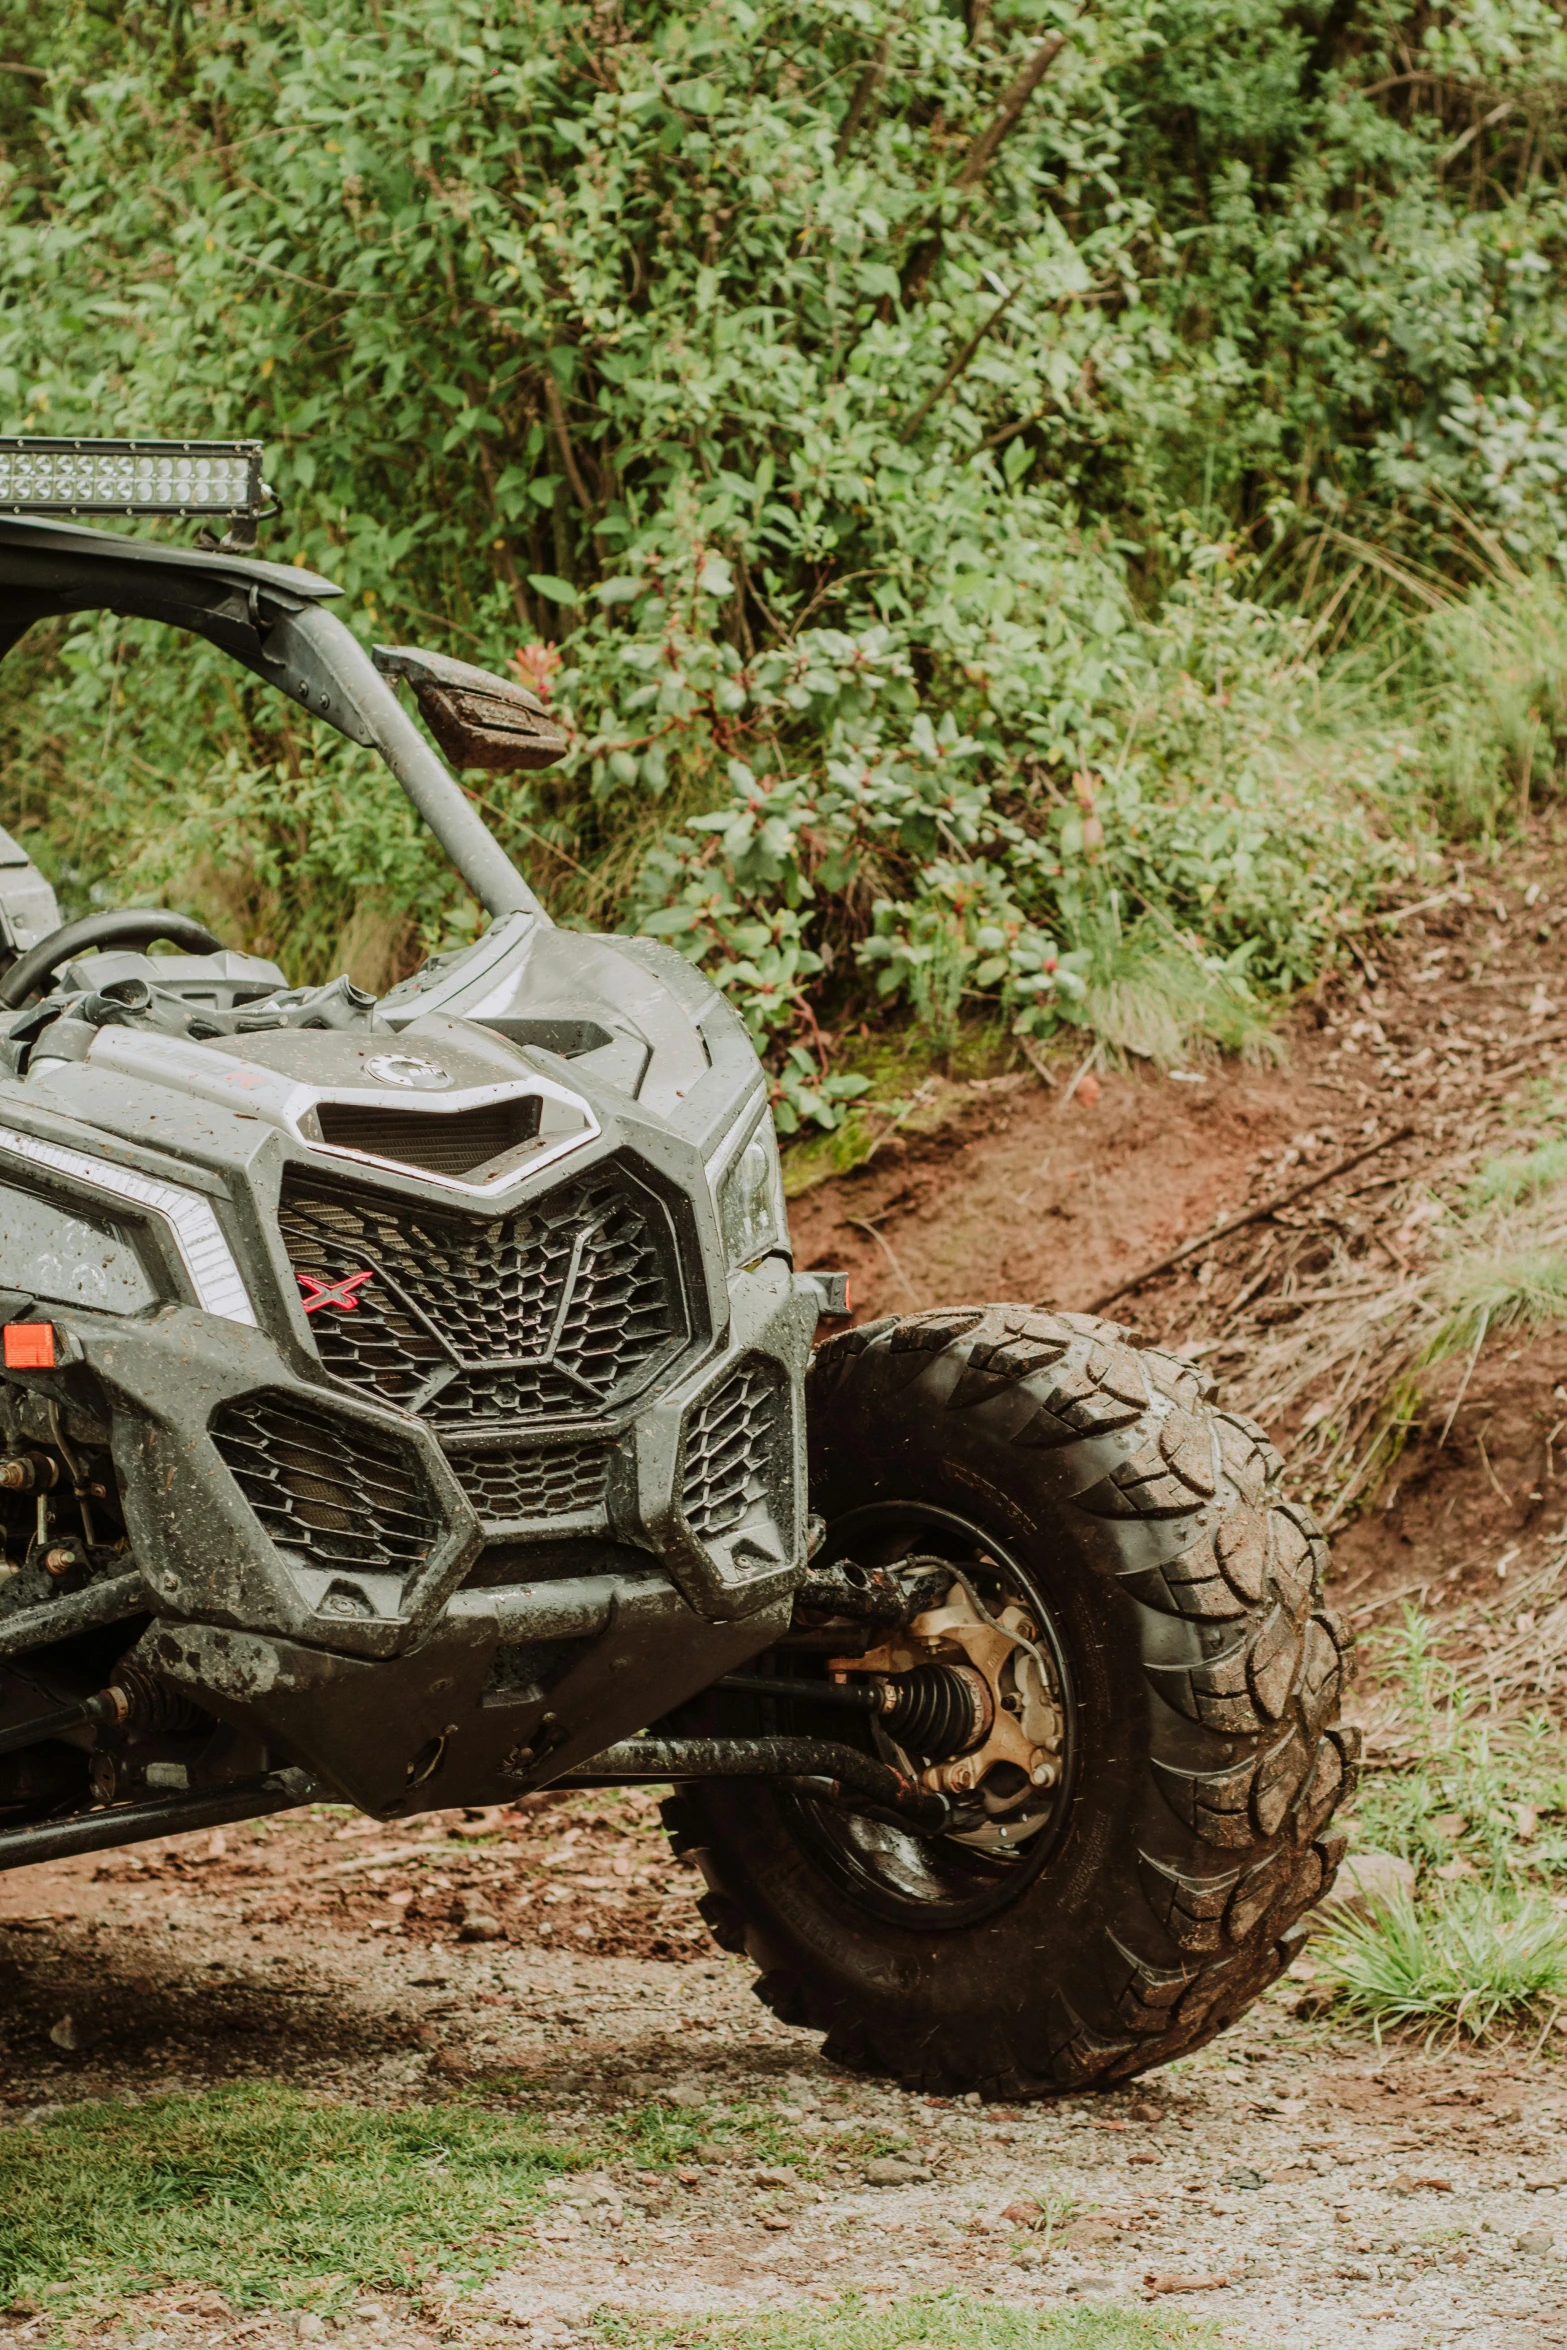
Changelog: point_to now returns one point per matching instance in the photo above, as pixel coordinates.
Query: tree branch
(977, 162)
(865, 90)
(557, 409)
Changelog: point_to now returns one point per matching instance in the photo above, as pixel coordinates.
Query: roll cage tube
(270, 617)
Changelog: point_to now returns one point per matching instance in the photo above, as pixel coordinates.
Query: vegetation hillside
(1024, 506)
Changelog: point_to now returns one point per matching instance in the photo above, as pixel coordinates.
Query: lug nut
(962, 1776)
(61, 1559)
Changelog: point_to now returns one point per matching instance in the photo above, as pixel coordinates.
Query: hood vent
(459, 1143)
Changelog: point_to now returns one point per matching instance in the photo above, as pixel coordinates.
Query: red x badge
(343, 1294)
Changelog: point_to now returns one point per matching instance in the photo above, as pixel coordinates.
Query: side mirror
(479, 719)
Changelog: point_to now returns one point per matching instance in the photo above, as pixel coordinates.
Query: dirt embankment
(1438, 1036)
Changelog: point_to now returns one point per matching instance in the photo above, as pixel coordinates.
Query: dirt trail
(1441, 1028)
(1305, 2190)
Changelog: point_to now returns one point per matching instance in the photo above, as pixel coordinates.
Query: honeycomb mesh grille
(737, 1450)
(560, 1307)
(344, 1494)
(566, 1480)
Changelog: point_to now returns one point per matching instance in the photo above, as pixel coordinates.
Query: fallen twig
(886, 1248)
(1254, 1215)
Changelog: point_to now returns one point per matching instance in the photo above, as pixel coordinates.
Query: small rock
(1535, 2240)
(1022, 2214)
(772, 2178)
(687, 2093)
(1183, 2284)
(1147, 2113)
(710, 2150)
(892, 2171)
(69, 2034)
(1367, 1882)
(307, 2327)
(481, 1925)
(1243, 2176)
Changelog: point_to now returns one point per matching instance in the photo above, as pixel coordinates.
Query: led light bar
(131, 477)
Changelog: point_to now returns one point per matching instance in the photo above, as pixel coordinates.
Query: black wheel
(1128, 1872)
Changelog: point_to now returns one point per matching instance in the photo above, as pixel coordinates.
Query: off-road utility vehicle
(411, 1403)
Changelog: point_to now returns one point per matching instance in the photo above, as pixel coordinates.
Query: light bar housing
(131, 477)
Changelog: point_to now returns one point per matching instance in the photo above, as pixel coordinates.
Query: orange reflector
(29, 1346)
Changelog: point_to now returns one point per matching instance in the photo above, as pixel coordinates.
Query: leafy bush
(871, 449)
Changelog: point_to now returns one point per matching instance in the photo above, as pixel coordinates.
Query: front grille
(561, 1307)
(344, 1494)
(458, 1143)
(738, 1452)
(565, 1480)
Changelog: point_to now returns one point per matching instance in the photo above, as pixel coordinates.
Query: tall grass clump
(1464, 1967)
(1479, 1806)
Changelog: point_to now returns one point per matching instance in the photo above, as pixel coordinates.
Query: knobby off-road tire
(1183, 1597)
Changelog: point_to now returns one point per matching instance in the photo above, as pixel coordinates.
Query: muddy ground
(1296, 2183)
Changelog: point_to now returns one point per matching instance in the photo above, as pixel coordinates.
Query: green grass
(1461, 1968)
(950, 2322)
(267, 2194)
(282, 2199)
(1477, 1952)
(912, 1081)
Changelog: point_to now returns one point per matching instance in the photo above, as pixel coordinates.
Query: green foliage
(1463, 1783)
(913, 524)
(1506, 1262)
(269, 2194)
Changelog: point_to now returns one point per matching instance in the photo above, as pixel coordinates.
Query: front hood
(447, 1101)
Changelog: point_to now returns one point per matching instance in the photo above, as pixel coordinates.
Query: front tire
(1159, 1889)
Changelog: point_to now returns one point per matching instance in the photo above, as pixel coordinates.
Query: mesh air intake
(457, 1143)
(341, 1493)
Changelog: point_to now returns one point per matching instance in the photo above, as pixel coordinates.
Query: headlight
(189, 1219)
(750, 1194)
(47, 1253)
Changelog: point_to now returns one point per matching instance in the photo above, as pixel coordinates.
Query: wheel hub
(992, 1705)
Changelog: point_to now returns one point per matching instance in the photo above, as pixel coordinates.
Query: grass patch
(1473, 1962)
(947, 2322)
(915, 1086)
(1460, 1789)
(1476, 1804)
(267, 2194)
